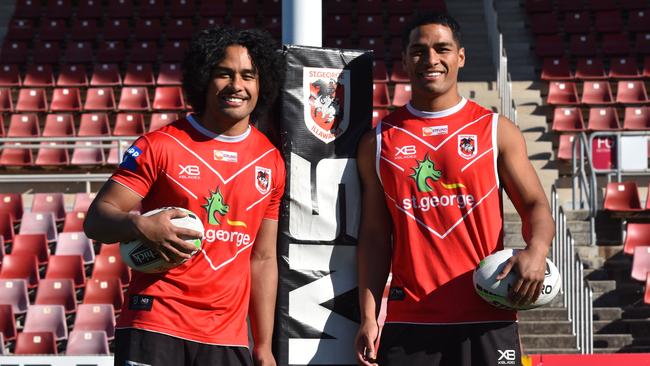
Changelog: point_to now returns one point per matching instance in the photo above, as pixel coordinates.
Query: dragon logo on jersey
(326, 102)
(423, 172)
(262, 179)
(467, 146)
(215, 206)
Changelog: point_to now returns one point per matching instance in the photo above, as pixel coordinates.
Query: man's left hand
(530, 264)
(263, 357)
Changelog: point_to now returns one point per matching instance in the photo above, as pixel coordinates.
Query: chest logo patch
(467, 146)
(263, 179)
(435, 130)
(227, 156)
(215, 206)
(326, 100)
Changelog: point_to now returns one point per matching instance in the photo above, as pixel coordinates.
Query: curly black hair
(425, 18)
(208, 48)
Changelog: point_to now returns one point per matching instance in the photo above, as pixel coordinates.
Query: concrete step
(543, 314)
(607, 313)
(623, 295)
(619, 341)
(574, 226)
(538, 351)
(639, 328)
(548, 341)
(545, 327)
(626, 349)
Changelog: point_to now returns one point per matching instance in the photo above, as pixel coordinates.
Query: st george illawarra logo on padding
(326, 102)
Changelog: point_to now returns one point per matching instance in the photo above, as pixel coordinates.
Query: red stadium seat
(401, 6)
(89, 9)
(104, 291)
(338, 42)
(35, 343)
(59, 124)
(31, 100)
(402, 94)
(378, 115)
(139, 74)
(111, 266)
(39, 76)
(642, 43)
(638, 21)
(380, 95)
(603, 119)
(87, 343)
(640, 263)
(210, 21)
(144, 51)
(244, 7)
(14, 52)
(94, 124)
(28, 9)
(147, 29)
(72, 75)
(544, 23)
(631, 92)
(12, 203)
(37, 223)
(379, 72)
(73, 222)
(120, 8)
(608, 21)
(116, 29)
(7, 323)
(396, 22)
(134, 99)
(10, 76)
(49, 202)
(242, 21)
(369, 6)
(84, 154)
(170, 74)
(182, 8)
(337, 7)
(273, 24)
(6, 228)
(106, 75)
(76, 243)
(370, 25)
(6, 102)
(637, 118)
(129, 124)
(174, 51)
(602, 4)
(152, 9)
(24, 125)
(556, 69)
(57, 292)
(16, 156)
(549, 46)
(20, 266)
(32, 244)
(577, 22)
(82, 201)
(590, 69)
(614, 44)
(59, 9)
(110, 249)
(338, 25)
(67, 266)
(376, 44)
(561, 92)
(538, 6)
(159, 120)
(568, 119)
(66, 100)
(111, 51)
(179, 28)
(632, 4)
(53, 30)
(50, 156)
(168, 98)
(98, 317)
(84, 30)
(14, 293)
(100, 99)
(79, 52)
(597, 92)
(636, 234)
(624, 68)
(398, 74)
(46, 52)
(622, 196)
(646, 67)
(583, 45)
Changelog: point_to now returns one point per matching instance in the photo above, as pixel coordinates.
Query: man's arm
(264, 285)
(525, 191)
(373, 251)
(109, 220)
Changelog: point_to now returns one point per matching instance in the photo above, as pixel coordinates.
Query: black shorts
(136, 347)
(476, 344)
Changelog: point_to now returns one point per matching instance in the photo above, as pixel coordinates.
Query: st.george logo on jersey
(326, 102)
(467, 146)
(262, 179)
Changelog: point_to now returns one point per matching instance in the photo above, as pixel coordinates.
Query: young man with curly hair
(215, 163)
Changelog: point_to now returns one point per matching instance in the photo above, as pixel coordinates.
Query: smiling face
(234, 89)
(432, 59)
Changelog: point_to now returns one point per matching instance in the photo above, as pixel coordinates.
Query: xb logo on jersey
(215, 206)
(189, 172)
(406, 151)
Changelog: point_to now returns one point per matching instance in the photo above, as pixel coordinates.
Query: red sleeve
(273, 209)
(138, 170)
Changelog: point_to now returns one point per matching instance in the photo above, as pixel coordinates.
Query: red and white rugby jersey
(441, 184)
(231, 183)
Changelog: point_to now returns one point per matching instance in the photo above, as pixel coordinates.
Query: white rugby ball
(143, 259)
(496, 292)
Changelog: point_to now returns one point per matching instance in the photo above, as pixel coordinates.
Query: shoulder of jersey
(397, 115)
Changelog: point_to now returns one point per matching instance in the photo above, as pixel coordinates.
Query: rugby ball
(143, 259)
(496, 292)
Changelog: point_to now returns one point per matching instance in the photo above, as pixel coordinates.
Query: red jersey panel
(231, 183)
(441, 185)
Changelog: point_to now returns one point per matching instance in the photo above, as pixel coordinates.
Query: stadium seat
(168, 98)
(7, 323)
(544, 23)
(646, 297)
(39, 76)
(6, 102)
(134, 99)
(94, 124)
(370, 25)
(72, 75)
(401, 6)
(646, 67)
(31, 100)
(100, 99)
(179, 29)
(631, 92)
(402, 94)
(615, 44)
(89, 9)
(66, 100)
(597, 93)
(577, 22)
(174, 51)
(244, 7)
(73, 222)
(14, 52)
(568, 119)
(20, 30)
(603, 119)
(398, 74)
(99, 317)
(378, 115)
(111, 51)
(590, 69)
(147, 29)
(14, 293)
(396, 22)
(380, 95)
(104, 291)
(6, 228)
(120, 8)
(642, 43)
(209, 21)
(339, 42)
(106, 75)
(39, 222)
(49, 202)
(50, 156)
(84, 30)
(22, 267)
(10, 76)
(379, 72)
(637, 118)
(640, 263)
(59, 9)
(15, 156)
(128, 124)
(636, 234)
(538, 6)
(608, 21)
(139, 74)
(622, 196)
(169, 74)
(84, 154)
(562, 93)
(111, 266)
(638, 21)
(76, 243)
(145, 51)
(338, 25)
(242, 21)
(32, 244)
(53, 30)
(273, 24)
(82, 201)
(556, 68)
(12, 203)
(45, 52)
(583, 45)
(83, 343)
(79, 52)
(623, 68)
(182, 8)
(632, 4)
(27, 9)
(67, 266)
(116, 29)
(24, 125)
(602, 4)
(161, 119)
(58, 124)
(376, 44)
(152, 9)
(369, 6)
(58, 291)
(337, 7)
(35, 343)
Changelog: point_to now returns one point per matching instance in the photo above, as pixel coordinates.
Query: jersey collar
(438, 114)
(223, 138)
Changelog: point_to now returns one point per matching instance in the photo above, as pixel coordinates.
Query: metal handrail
(577, 295)
(584, 186)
